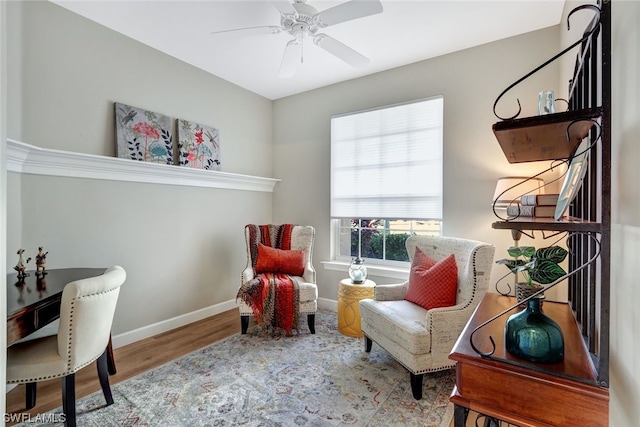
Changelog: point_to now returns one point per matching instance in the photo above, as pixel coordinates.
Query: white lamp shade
(509, 189)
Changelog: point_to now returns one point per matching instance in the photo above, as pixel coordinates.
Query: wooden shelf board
(564, 224)
(544, 137)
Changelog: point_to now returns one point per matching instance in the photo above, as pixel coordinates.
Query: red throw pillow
(432, 284)
(272, 260)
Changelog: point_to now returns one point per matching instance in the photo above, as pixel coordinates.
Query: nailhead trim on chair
(68, 371)
(473, 296)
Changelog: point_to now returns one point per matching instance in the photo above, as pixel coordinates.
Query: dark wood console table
(520, 392)
(34, 302)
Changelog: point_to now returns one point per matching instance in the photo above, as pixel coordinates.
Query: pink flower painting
(198, 146)
(143, 135)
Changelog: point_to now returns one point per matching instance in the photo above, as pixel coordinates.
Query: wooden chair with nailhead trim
(86, 314)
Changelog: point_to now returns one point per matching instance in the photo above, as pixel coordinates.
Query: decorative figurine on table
(21, 266)
(41, 260)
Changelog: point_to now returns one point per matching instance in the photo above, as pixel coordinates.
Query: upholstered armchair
(86, 314)
(419, 338)
(275, 254)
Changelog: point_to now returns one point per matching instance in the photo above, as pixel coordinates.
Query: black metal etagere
(588, 225)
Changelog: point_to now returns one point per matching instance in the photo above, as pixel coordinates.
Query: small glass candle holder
(357, 271)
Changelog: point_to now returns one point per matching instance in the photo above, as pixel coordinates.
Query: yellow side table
(349, 296)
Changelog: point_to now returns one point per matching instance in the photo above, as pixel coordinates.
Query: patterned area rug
(326, 379)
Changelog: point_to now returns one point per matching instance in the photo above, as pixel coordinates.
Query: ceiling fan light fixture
(300, 19)
(291, 58)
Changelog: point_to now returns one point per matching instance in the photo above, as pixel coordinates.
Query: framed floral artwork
(143, 135)
(198, 146)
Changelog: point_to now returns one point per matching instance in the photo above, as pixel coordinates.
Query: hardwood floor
(132, 360)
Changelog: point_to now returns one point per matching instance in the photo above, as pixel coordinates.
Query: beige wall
(470, 81)
(3, 186)
(182, 247)
(67, 71)
(625, 210)
(64, 73)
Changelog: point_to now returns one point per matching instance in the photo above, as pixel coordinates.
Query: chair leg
(30, 398)
(103, 375)
(110, 359)
(311, 320)
(69, 400)
(416, 385)
(244, 324)
(367, 344)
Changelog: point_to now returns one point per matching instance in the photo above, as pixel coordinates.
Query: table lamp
(509, 189)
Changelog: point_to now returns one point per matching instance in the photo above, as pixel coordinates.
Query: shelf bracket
(584, 38)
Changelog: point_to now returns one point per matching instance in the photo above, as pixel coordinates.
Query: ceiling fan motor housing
(302, 22)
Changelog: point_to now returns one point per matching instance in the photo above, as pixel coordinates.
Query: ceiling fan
(301, 20)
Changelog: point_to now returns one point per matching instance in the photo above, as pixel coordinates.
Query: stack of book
(535, 205)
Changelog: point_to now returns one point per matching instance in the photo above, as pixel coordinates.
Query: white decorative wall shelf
(29, 159)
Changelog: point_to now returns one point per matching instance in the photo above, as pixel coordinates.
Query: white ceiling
(406, 31)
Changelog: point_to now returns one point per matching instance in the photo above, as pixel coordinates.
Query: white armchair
(421, 339)
(298, 238)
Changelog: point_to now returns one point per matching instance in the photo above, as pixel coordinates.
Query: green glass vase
(533, 336)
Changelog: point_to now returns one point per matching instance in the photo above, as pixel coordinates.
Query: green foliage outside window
(372, 240)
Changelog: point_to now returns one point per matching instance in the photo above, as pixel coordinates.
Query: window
(386, 179)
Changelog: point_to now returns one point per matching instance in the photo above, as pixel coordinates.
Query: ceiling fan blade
(353, 9)
(291, 58)
(284, 7)
(252, 31)
(341, 50)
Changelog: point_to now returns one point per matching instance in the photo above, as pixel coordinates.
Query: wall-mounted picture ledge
(29, 159)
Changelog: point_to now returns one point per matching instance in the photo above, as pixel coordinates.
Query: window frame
(382, 263)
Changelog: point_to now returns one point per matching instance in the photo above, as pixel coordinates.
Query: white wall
(182, 247)
(470, 81)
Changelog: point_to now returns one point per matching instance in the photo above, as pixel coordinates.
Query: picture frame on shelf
(198, 146)
(573, 179)
(143, 135)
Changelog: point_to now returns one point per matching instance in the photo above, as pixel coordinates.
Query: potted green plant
(538, 267)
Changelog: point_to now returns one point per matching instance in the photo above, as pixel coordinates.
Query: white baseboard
(148, 331)
(169, 324)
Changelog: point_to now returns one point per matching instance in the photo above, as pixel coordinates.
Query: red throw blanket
(273, 298)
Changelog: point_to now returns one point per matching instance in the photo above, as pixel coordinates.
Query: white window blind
(387, 162)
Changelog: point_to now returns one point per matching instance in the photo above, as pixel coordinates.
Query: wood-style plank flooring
(136, 358)
(132, 360)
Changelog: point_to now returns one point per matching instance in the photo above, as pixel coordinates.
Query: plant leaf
(546, 272)
(552, 253)
(512, 264)
(525, 251)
